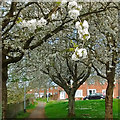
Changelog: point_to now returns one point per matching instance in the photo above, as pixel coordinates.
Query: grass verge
(83, 109)
(26, 114)
(41, 99)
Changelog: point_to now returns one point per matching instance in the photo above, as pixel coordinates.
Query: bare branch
(84, 77)
(27, 43)
(98, 73)
(81, 75)
(14, 21)
(9, 14)
(13, 59)
(69, 67)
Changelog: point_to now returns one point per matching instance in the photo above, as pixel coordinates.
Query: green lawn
(41, 99)
(21, 114)
(83, 109)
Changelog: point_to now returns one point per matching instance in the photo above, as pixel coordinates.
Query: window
(104, 92)
(62, 95)
(79, 93)
(41, 94)
(50, 93)
(91, 82)
(36, 95)
(51, 88)
(102, 82)
(91, 91)
(55, 87)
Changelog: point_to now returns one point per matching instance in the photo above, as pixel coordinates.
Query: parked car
(94, 96)
(118, 97)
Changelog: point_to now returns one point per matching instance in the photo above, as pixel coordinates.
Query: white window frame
(62, 95)
(41, 94)
(36, 95)
(103, 91)
(89, 90)
(55, 87)
(79, 93)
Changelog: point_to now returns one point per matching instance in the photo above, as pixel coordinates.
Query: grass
(21, 114)
(41, 99)
(83, 109)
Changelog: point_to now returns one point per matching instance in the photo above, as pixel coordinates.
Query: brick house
(57, 93)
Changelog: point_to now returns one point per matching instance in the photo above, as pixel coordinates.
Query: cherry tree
(105, 50)
(63, 68)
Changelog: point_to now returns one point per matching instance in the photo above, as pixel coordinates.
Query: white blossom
(63, 2)
(42, 22)
(74, 57)
(80, 7)
(54, 15)
(85, 24)
(71, 82)
(78, 26)
(79, 53)
(32, 21)
(80, 35)
(74, 14)
(32, 24)
(72, 4)
(24, 23)
(88, 36)
(108, 71)
(112, 66)
(83, 30)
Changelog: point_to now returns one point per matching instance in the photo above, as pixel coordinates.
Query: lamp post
(48, 91)
(24, 96)
(24, 73)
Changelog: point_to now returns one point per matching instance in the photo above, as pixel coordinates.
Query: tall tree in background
(65, 72)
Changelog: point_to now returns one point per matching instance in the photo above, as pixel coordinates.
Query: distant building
(58, 93)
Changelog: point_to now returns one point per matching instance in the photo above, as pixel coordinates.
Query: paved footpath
(39, 111)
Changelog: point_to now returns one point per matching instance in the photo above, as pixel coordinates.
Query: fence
(14, 109)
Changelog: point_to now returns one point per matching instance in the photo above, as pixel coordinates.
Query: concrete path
(39, 111)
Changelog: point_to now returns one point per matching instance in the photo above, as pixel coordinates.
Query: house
(58, 93)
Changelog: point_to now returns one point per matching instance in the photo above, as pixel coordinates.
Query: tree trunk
(71, 105)
(4, 91)
(45, 93)
(109, 100)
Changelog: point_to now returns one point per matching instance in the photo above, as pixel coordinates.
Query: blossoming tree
(105, 52)
(65, 72)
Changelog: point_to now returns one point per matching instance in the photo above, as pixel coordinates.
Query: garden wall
(14, 109)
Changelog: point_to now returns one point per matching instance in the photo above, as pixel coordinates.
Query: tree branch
(12, 60)
(53, 78)
(27, 43)
(69, 67)
(98, 73)
(14, 21)
(81, 75)
(8, 15)
(84, 77)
